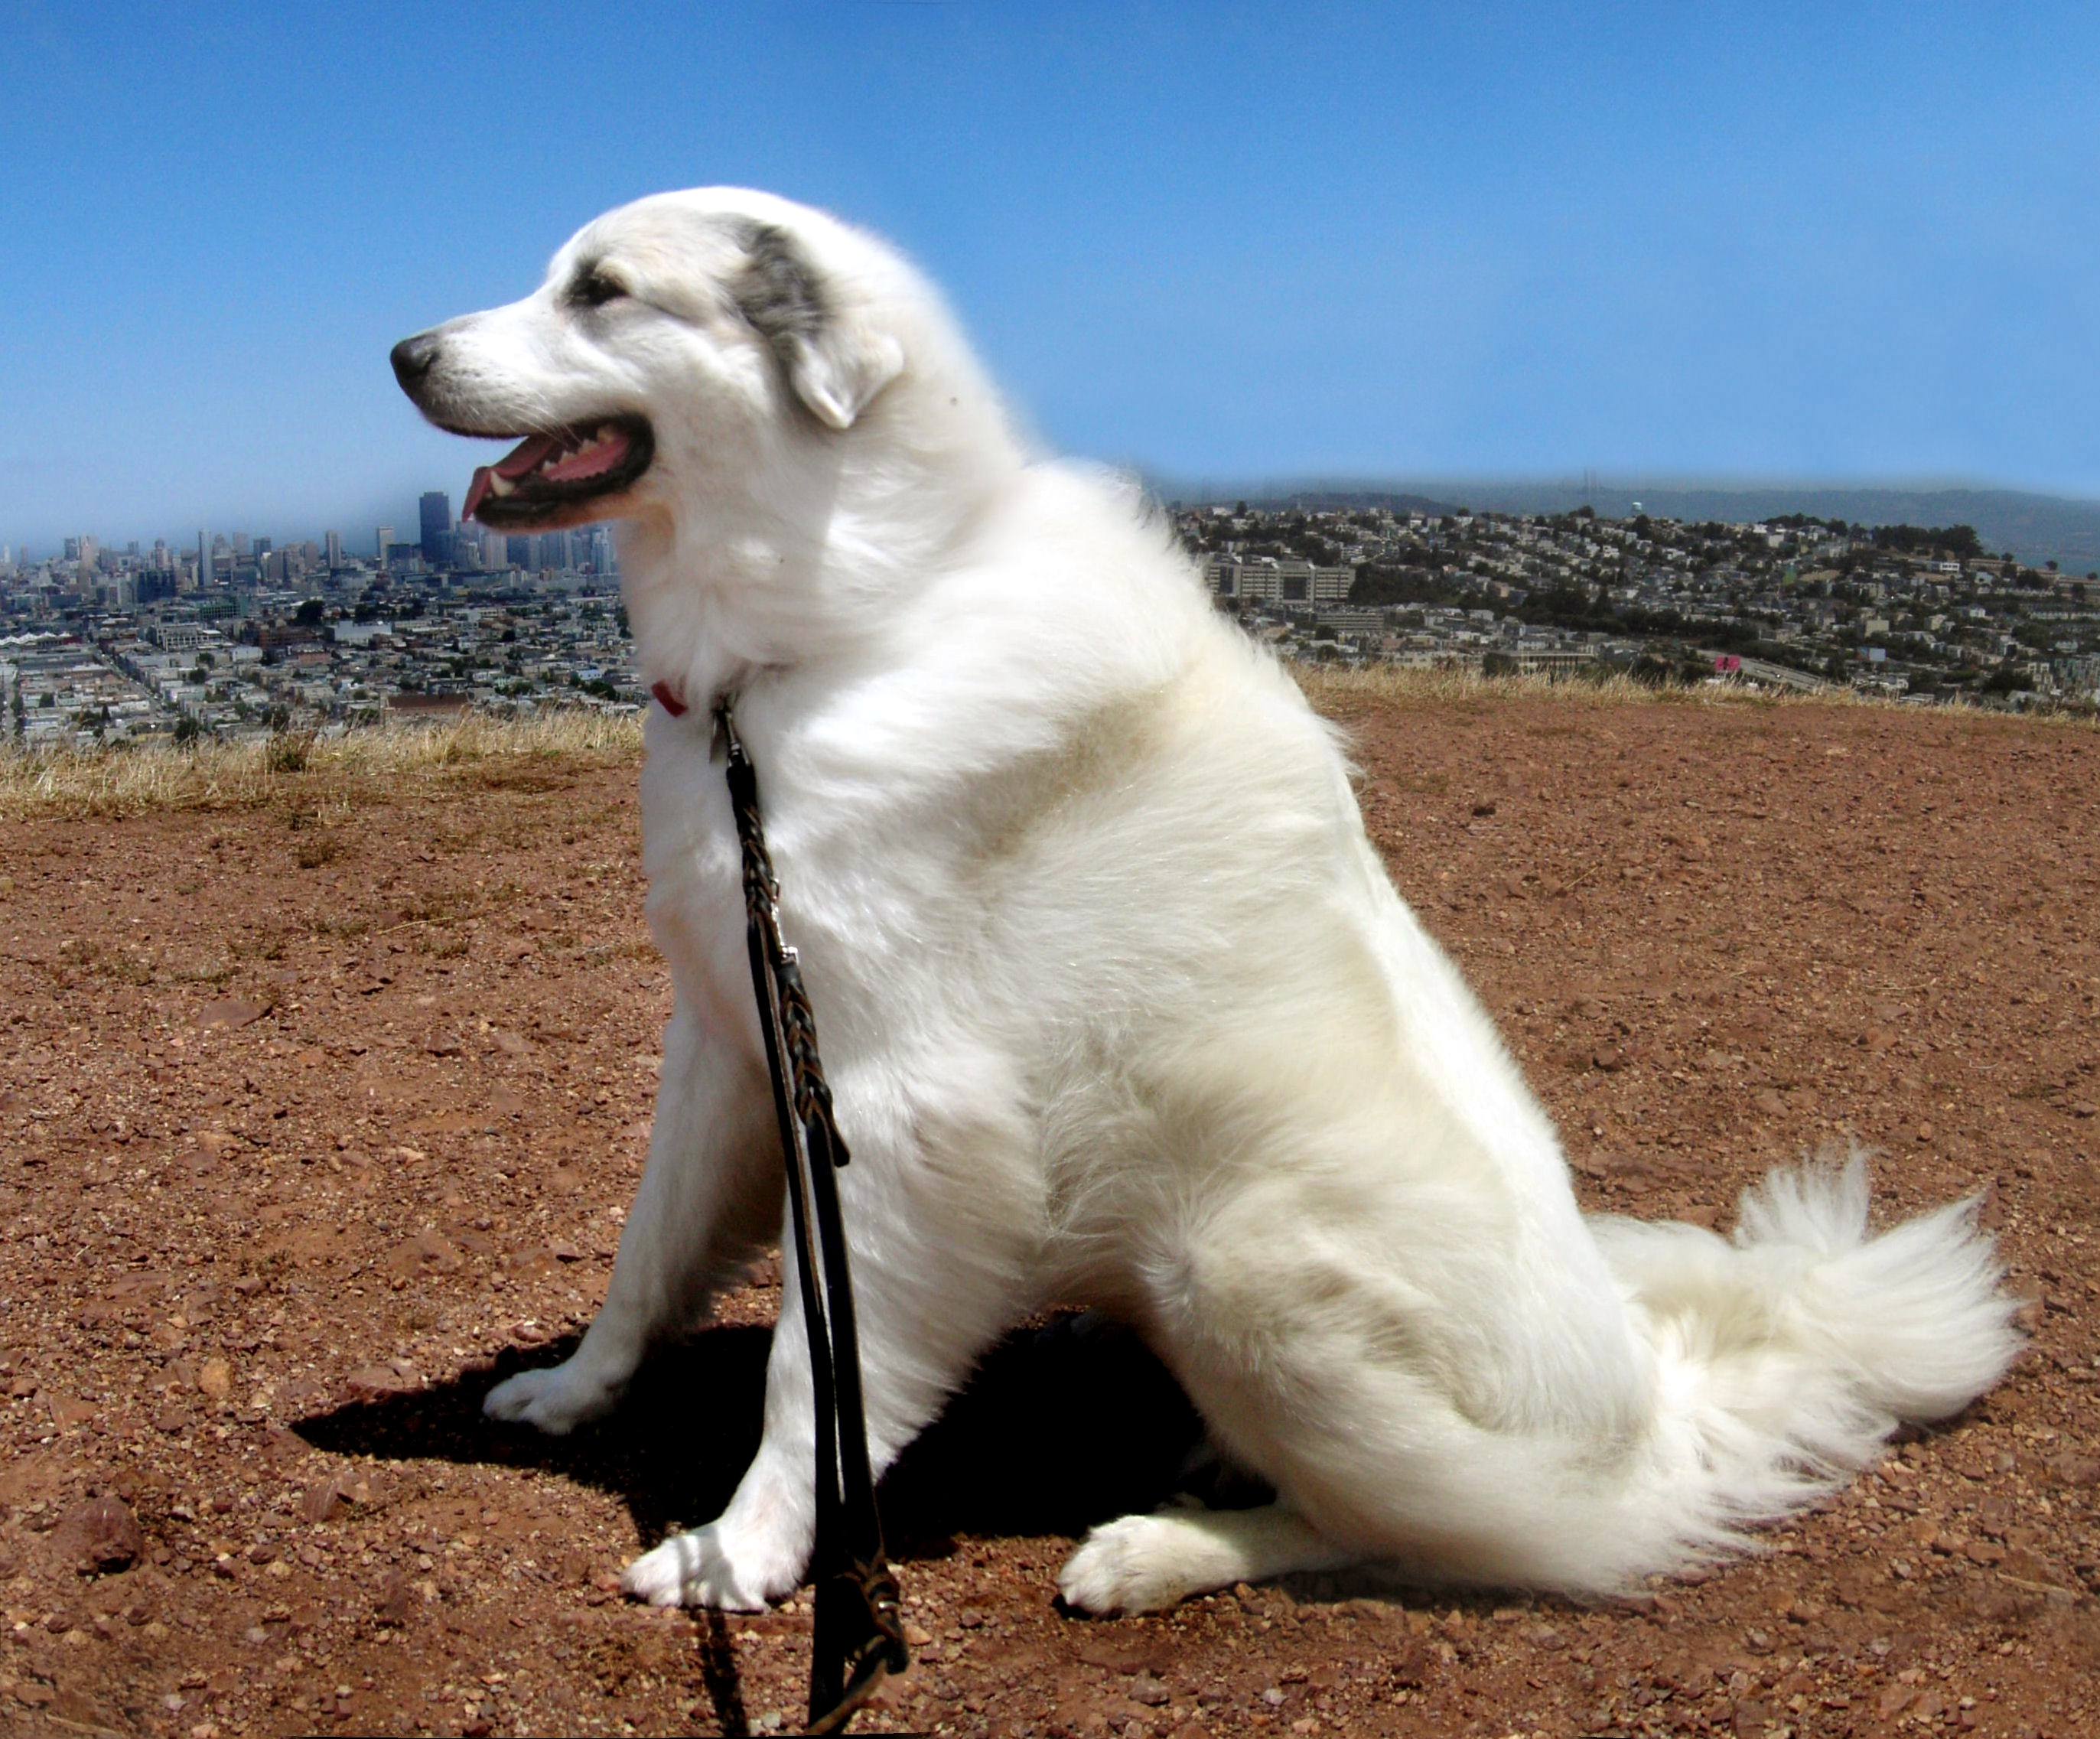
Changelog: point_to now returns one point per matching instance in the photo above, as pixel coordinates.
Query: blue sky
(1219, 241)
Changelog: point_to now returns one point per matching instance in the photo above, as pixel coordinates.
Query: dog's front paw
(1135, 1563)
(712, 1566)
(557, 1399)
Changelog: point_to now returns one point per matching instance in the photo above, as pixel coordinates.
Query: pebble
(100, 1536)
(231, 1013)
(373, 1382)
(1148, 1690)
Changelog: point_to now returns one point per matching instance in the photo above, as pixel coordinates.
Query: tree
(310, 612)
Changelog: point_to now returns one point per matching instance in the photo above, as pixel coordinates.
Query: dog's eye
(594, 289)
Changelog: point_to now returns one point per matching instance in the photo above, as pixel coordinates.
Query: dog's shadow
(1061, 1427)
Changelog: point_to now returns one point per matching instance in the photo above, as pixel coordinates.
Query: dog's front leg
(708, 1194)
(939, 1268)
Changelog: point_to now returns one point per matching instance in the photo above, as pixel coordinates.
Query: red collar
(667, 697)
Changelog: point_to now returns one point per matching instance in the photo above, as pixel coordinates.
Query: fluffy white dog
(1117, 1002)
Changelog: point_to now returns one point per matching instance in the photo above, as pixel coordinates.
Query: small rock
(215, 1378)
(100, 1536)
(1415, 1666)
(428, 1252)
(396, 1598)
(1148, 1690)
(376, 1382)
(2082, 1470)
(231, 1013)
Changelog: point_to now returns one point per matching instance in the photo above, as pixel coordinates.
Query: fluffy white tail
(1786, 1355)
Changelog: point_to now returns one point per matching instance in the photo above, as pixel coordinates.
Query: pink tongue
(522, 458)
(526, 456)
(599, 456)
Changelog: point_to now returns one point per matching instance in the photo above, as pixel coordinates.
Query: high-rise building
(334, 550)
(380, 540)
(437, 511)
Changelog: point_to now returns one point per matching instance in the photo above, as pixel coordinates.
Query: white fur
(1121, 1008)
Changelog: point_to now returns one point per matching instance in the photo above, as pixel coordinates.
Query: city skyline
(1243, 240)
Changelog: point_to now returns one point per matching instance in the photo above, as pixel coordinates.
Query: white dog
(1117, 1001)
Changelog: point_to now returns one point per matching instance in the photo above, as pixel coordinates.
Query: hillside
(324, 1092)
(2037, 528)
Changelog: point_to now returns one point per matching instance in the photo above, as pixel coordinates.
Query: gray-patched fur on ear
(835, 367)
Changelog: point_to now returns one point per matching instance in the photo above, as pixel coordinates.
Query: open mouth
(555, 479)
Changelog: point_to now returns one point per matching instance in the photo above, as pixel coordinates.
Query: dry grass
(123, 780)
(308, 771)
(1415, 685)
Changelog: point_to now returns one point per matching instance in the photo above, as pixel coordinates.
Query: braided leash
(858, 1637)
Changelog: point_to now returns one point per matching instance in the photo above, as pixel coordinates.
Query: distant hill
(2036, 528)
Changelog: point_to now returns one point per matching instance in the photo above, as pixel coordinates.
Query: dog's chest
(836, 895)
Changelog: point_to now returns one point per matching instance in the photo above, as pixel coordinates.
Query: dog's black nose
(413, 358)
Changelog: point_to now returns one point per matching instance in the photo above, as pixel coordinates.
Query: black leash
(858, 1635)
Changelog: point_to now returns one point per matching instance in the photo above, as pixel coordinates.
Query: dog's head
(684, 348)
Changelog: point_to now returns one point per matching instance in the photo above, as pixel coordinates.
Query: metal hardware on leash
(858, 1634)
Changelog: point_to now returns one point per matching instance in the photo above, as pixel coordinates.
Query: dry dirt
(315, 1114)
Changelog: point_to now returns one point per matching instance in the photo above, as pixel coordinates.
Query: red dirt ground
(316, 1114)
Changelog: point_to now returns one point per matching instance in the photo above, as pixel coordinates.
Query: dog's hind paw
(557, 1399)
(703, 1568)
(1135, 1563)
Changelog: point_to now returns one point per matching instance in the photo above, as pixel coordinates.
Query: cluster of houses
(1801, 602)
(159, 672)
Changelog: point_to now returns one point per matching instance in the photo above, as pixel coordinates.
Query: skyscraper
(437, 510)
(334, 550)
(380, 540)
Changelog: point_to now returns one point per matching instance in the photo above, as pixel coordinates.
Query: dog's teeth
(499, 484)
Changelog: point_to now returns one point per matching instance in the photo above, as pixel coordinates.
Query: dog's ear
(836, 366)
